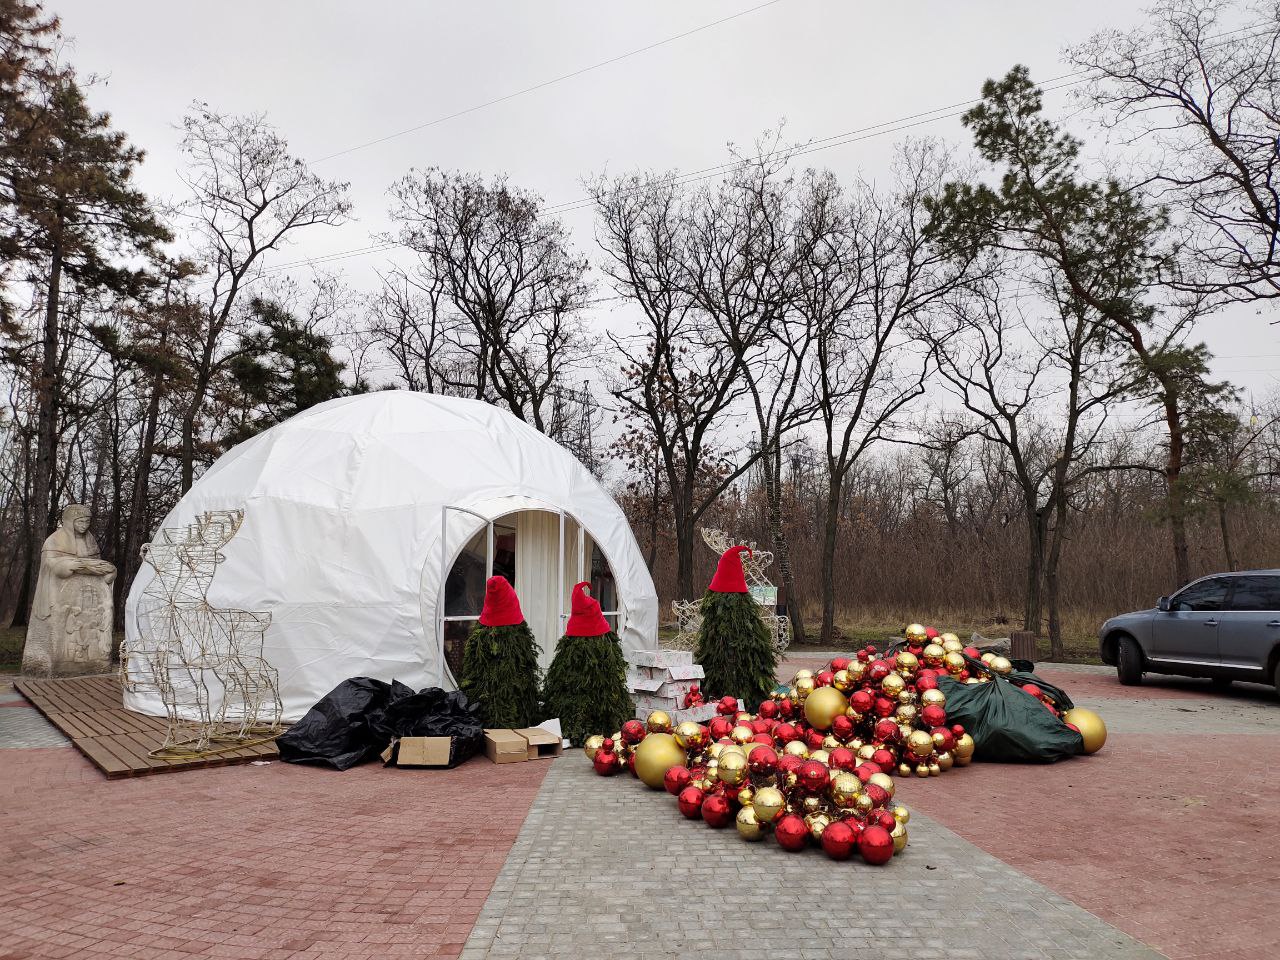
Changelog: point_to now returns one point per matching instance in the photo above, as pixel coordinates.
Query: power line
(547, 83)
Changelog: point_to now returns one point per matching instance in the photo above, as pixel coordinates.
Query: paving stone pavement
(604, 866)
(22, 726)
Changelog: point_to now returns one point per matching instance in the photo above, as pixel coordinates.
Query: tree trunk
(772, 468)
(1057, 648)
(46, 422)
(682, 507)
(1035, 571)
(135, 525)
(1173, 484)
(829, 534)
(1224, 526)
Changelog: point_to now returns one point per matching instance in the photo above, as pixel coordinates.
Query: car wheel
(1129, 662)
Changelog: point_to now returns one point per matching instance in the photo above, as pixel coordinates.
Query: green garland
(586, 687)
(735, 649)
(500, 673)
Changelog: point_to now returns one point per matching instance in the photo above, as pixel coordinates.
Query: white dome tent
(371, 523)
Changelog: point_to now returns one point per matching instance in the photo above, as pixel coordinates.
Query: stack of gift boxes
(660, 680)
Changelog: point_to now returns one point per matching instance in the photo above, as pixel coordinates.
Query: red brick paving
(1173, 840)
(251, 862)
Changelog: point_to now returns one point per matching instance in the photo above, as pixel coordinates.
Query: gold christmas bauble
(796, 748)
(768, 804)
(883, 781)
(922, 770)
(690, 735)
(935, 770)
(964, 749)
(906, 713)
(949, 638)
(823, 705)
(893, 684)
(743, 717)
(899, 835)
(844, 790)
(933, 654)
(842, 681)
(741, 733)
(970, 680)
(915, 631)
(655, 755)
(954, 662)
(1090, 726)
(746, 795)
(749, 825)
(822, 756)
(803, 674)
(907, 662)
(939, 740)
(733, 769)
(953, 645)
(905, 728)
(856, 669)
(811, 804)
(830, 743)
(933, 698)
(1000, 665)
(987, 657)
(659, 722)
(904, 769)
(715, 750)
(864, 803)
(592, 745)
(866, 751)
(712, 771)
(920, 744)
(817, 822)
(945, 760)
(901, 814)
(907, 696)
(805, 686)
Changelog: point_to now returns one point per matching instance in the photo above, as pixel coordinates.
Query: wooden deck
(90, 711)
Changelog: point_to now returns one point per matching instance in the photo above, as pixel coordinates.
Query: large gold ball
(866, 751)
(907, 696)
(659, 722)
(1090, 726)
(933, 654)
(844, 790)
(592, 745)
(1000, 665)
(805, 686)
(655, 755)
(892, 685)
(732, 769)
(741, 733)
(987, 657)
(749, 825)
(920, 744)
(907, 662)
(953, 645)
(954, 662)
(830, 743)
(933, 698)
(883, 781)
(964, 749)
(768, 804)
(823, 705)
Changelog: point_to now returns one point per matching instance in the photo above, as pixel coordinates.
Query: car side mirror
(1163, 604)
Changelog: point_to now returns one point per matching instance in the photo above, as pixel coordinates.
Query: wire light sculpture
(187, 651)
(688, 613)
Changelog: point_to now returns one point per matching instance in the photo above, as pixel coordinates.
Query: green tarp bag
(1007, 725)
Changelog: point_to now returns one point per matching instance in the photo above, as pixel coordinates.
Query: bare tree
(249, 196)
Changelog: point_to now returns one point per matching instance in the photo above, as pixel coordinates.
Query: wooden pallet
(90, 711)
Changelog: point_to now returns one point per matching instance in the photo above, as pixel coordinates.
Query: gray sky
(331, 75)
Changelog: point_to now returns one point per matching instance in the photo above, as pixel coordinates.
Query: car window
(1256, 593)
(1205, 595)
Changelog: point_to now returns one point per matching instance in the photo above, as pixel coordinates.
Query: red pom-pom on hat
(585, 617)
(501, 605)
(729, 577)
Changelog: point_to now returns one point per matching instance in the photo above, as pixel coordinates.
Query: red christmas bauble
(972, 652)
(605, 763)
(856, 825)
(728, 706)
(763, 761)
(768, 710)
(759, 725)
(886, 820)
(948, 741)
(878, 794)
(863, 771)
(875, 845)
(934, 715)
(877, 670)
(788, 763)
(792, 833)
(842, 758)
(1032, 689)
(785, 733)
(861, 701)
(631, 763)
(785, 707)
(886, 760)
(765, 738)
(676, 779)
(717, 811)
(840, 663)
(931, 633)
(719, 727)
(824, 678)
(690, 802)
(815, 739)
(838, 840)
(885, 707)
(957, 729)
(633, 731)
(813, 776)
(842, 727)
(888, 731)
(608, 745)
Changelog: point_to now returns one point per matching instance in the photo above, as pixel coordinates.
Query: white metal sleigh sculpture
(185, 645)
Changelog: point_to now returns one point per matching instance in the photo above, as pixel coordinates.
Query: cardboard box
(542, 745)
(660, 658)
(419, 752)
(505, 746)
(686, 671)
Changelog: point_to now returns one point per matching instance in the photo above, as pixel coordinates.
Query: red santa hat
(585, 618)
(501, 605)
(729, 577)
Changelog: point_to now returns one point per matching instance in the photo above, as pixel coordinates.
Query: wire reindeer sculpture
(185, 645)
(689, 612)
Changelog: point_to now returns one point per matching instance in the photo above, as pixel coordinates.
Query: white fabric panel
(342, 535)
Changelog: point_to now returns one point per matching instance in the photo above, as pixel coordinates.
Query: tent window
(464, 587)
(603, 587)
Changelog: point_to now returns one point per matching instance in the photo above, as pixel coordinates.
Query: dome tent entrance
(352, 510)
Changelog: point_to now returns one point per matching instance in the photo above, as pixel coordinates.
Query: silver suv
(1225, 626)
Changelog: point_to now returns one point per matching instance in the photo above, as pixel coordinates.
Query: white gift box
(661, 658)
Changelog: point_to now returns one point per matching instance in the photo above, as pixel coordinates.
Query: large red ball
(886, 820)
(792, 833)
(785, 707)
(813, 776)
(931, 633)
(926, 680)
(934, 715)
(865, 770)
(875, 845)
(716, 811)
(768, 710)
(763, 761)
(838, 840)
(842, 727)
(972, 652)
(861, 701)
(842, 758)
(765, 738)
(759, 725)
(633, 731)
(690, 802)
(720, 727)
(957, 729)
(676, 779)
(605, 764)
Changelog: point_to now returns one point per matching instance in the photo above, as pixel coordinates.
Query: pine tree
(735, 649)
(500, 673)
(586, 686)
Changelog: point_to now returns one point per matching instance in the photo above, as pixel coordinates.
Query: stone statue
(70, 627)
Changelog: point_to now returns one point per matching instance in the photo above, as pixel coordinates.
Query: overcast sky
(332, 75)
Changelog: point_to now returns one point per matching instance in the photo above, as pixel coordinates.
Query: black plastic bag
(346, 726)
(434, 712)
(1008, 725)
